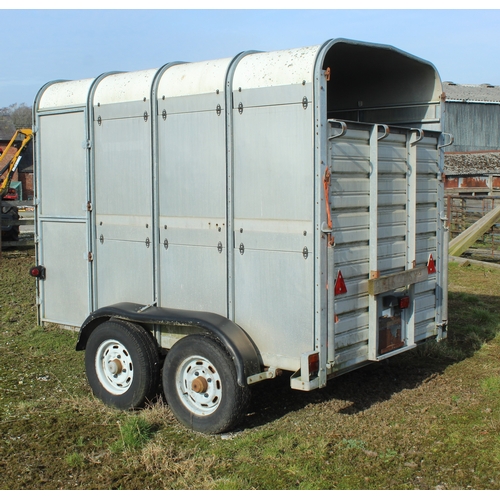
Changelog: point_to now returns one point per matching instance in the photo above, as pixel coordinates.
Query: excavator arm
(11, 165)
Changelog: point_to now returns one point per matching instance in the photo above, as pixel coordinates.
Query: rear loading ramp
(383, 200)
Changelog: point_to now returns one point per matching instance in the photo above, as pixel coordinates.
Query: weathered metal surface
(397, 280)
(459, 119)
(65, 94)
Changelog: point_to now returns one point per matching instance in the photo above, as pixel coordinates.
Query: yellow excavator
(9, 213)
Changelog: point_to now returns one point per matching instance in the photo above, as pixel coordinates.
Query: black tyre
(122, 364)
(200, 384)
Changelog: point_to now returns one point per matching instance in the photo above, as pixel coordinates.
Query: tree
(13, 117)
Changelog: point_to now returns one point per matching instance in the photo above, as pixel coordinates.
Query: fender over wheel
(200, 385)
(122, 364)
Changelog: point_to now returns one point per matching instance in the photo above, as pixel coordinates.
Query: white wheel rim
(199, 385)
(114, 367)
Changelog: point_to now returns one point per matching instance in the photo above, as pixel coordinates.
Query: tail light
(313, 362)
(38, 272)
(404, 302)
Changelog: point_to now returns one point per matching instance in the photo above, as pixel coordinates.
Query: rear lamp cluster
(38, 272)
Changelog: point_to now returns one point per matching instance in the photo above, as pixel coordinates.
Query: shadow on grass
(473, 320)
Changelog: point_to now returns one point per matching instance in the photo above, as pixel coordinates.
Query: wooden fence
(465, 210)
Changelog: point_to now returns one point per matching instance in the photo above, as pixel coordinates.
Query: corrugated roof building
(473, 116)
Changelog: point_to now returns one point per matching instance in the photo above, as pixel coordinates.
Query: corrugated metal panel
(350, 204)
(475, 127)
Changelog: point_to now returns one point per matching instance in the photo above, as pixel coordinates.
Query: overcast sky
(39, 46)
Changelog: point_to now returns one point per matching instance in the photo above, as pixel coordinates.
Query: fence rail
(465, 210)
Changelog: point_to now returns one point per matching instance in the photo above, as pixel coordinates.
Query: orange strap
(326, 187)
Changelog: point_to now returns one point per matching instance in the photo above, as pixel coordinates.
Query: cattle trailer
(214, 224)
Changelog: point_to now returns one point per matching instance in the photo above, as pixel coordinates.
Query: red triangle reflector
(431, 266)
(340, 287)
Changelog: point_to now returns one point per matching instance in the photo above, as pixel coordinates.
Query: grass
(427, 419)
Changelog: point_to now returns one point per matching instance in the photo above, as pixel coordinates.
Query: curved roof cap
(282, 67)
(194, 78)
(125, 87)
(65, 94)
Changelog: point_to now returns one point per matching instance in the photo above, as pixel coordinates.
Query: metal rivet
(165, 243)
(219, 246)
(305, 233)
(99, 120)
(241, 229)
(305, 102)
(164, 114)
(101, 239)
(217, 91)
(240, 108)
(145, 116)
(148, 242)
(218, 109)
(305, 252)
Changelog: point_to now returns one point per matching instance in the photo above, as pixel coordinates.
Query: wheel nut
(199, 385)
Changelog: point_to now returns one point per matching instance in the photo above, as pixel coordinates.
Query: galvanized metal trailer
(275, 211)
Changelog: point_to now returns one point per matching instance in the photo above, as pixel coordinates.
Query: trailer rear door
(383, 200)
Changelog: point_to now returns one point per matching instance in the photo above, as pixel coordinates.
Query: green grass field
(427, 419)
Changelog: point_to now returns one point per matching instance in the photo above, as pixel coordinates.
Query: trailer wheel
(200, 384)
(122, 364)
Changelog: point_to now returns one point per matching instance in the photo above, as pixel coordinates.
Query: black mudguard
(234, 339)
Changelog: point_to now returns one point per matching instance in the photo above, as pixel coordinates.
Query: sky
(39, 46)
